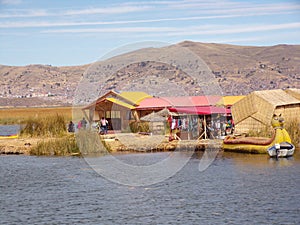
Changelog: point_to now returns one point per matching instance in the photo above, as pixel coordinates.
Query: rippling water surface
(235, 189)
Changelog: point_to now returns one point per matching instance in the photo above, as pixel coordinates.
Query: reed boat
(280, 141)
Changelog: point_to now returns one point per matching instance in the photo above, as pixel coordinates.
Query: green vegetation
(139, 127)
(51, 126)
(53, 130)
(58, 147)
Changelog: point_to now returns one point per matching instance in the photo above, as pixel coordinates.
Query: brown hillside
(238, 69)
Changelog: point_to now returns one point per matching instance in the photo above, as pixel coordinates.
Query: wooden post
(205, 130)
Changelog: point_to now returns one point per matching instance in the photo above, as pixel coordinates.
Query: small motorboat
(283, 149)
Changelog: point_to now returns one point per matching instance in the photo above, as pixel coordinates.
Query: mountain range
(238, 70)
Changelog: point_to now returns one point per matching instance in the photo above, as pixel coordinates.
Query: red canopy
(155, 102)
(201, 110)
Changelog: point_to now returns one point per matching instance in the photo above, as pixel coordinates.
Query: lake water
(6, 130)
(235, 189)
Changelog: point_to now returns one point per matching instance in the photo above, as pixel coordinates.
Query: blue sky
(78, 32)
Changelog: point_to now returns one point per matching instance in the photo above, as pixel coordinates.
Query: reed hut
(293, 92)
(156, 122)
(255, 111)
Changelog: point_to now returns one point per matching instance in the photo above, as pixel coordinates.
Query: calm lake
(6, 130)
(235, 189)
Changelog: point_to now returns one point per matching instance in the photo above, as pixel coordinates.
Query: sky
(77, 32)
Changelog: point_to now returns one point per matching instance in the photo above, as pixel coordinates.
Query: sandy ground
(145, 143)
(17, 145)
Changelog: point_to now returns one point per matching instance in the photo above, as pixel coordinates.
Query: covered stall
(203, 121)
(117, 108)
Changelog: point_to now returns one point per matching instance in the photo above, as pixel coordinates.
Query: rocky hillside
(239, 70)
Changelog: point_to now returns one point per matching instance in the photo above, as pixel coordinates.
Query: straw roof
(134, 97)
(276, 97)
(229, 100)
(261, 105)
(153, 117)
(164, 112)
(128, 99)
(293, 92)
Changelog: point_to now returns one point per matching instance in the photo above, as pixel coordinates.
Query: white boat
(283, 149)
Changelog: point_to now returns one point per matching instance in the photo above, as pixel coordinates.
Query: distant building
(120, 109)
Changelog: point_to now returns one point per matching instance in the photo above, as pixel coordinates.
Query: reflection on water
(262, 160)
(235, 189)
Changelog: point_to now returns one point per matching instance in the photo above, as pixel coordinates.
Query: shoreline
(17, 146)
(129, 143)
(119, 143)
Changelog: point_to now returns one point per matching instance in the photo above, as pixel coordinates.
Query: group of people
(82, 124)
(102, 125)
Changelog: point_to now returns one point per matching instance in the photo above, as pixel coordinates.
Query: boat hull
(283, 149)
(9, 137)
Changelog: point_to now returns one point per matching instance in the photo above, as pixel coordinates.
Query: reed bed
(266, 131)
(53, 129)
(139, 127)
(63, 146)
(19, 115)
(89, 142)
(50, 126)
(293, 128)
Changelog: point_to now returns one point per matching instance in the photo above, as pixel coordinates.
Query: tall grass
(17, 115)
(139, 127)
(55, 138)
(58, 146)
(50, 126)
(89, 142)
(293, 128)
(266, 131)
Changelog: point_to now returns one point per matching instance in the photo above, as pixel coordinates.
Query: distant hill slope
(243, 69)
(238, 69)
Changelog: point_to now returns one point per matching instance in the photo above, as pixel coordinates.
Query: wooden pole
(205, 130)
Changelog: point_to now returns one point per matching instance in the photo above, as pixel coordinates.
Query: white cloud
(235, 29)
(184, 31)
(106, 10)
(10, 2)
(24, 13)
(117, 30)
(122, 22)
(212, 8)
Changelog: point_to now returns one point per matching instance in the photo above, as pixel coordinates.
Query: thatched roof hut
(294, 92)
(255, 111)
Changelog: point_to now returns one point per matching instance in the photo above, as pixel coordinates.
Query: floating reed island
(134, 142)
(78, 144)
